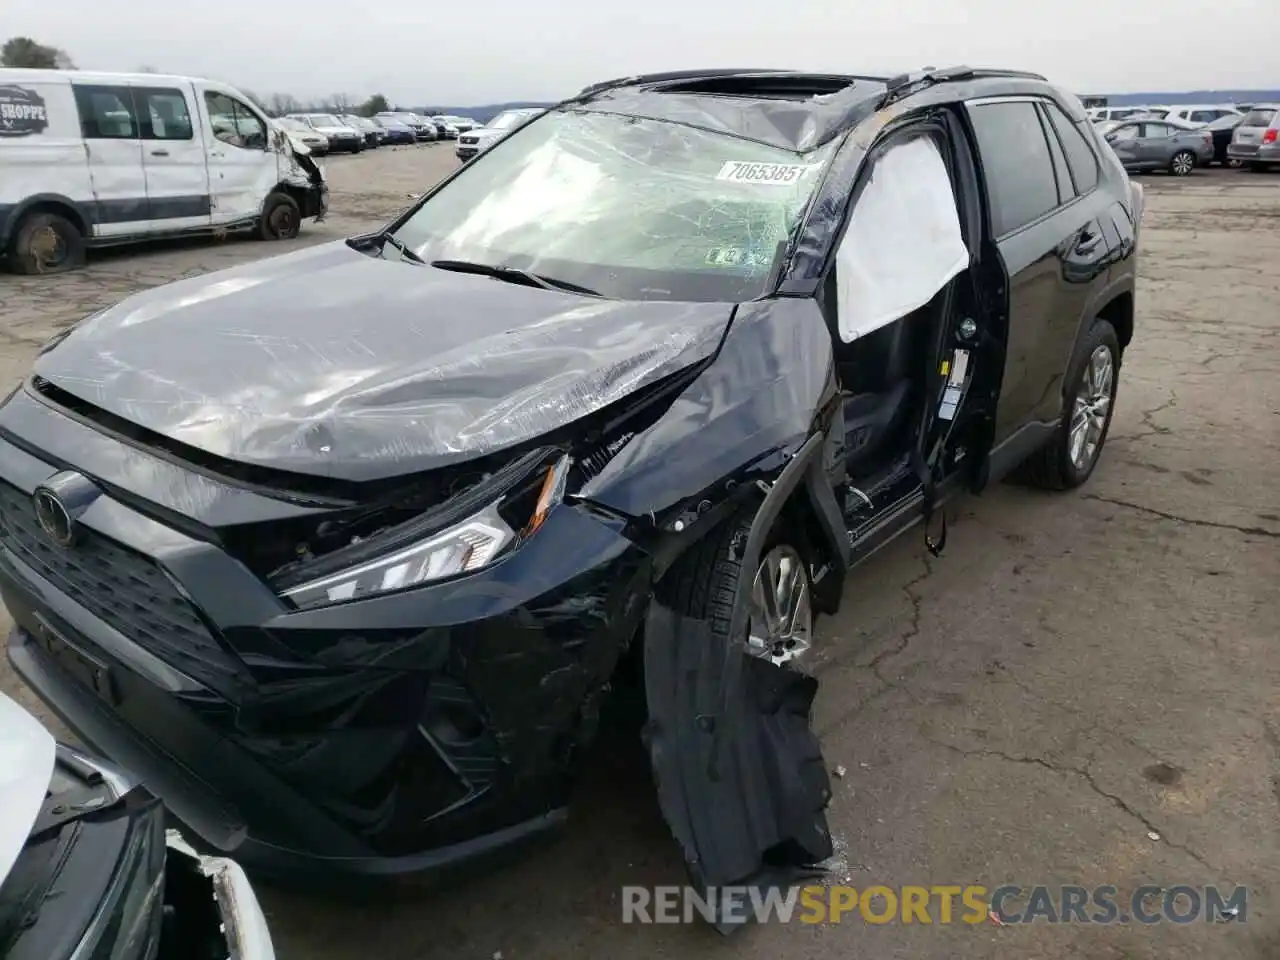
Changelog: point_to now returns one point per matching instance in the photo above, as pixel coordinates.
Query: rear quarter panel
(50, 161)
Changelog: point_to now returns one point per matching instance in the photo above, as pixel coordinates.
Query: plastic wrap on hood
(799, 125)
(332, 363)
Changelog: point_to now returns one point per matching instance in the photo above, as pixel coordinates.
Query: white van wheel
(46, 243)
(281, 218)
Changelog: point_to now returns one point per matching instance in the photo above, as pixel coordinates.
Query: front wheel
(1069, 457)
(780, 621)
(281, 218)
(1183, 162)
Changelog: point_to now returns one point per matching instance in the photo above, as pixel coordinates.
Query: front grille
(123, 589)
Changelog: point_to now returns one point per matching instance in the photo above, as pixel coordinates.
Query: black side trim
(1013, 450)
(128, 209)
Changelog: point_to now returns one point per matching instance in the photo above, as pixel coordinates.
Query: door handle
(159, 153)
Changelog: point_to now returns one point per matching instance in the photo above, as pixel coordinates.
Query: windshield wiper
(514, 275)
(400, 245)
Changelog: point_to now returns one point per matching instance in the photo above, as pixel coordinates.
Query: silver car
(1161, 145)
(1256, 141)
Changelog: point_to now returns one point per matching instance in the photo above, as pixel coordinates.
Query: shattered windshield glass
(630, 208)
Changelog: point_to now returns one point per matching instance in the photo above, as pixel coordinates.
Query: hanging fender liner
(806, 462)
(740, 776)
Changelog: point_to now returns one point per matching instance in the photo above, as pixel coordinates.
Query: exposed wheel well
(300, 195)
(49, 206)
(1118, 311)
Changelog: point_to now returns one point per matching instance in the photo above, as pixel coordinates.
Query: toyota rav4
(340, 550)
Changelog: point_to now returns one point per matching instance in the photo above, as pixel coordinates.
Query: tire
(1052, 467)
(281, 217)
(1182, 163)
(705, 581)
(46, 242)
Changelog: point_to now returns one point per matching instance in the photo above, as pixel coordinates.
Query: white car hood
(27, 753)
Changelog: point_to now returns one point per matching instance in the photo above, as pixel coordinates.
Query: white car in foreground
(482, 138)
(87, 868)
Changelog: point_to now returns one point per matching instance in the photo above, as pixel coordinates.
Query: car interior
(886, 377)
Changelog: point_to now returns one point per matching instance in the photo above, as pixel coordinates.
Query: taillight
(1208, 137)
(1270, 136)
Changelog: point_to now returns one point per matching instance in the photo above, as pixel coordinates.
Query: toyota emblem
(58, 503)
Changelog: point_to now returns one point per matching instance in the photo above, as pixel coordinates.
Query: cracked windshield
(628, 208)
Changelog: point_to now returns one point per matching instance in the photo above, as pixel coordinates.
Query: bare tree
(340, 102)
(278, 104)
(25, 52)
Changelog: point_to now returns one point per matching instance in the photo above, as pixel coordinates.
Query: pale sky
(482, 51)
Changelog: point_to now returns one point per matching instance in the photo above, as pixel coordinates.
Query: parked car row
(326, 133)
(1180, 137)
(479, 139)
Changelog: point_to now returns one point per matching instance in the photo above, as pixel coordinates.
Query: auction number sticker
(780, 174)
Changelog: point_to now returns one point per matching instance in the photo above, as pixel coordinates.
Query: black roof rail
(714, 73)
(908, 83)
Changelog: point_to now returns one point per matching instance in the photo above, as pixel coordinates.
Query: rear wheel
(1183, 162)
(46, 242)
(281, 218)
(1068, 459)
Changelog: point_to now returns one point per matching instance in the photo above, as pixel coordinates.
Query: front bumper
(348, 143)
(399, 734)
(466, 153)
(1254, 152)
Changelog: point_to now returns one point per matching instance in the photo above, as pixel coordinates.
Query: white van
(89, 159)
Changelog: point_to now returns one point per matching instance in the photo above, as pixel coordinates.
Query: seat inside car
(882, 376)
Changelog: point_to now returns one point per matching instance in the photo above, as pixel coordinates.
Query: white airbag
(903, 243)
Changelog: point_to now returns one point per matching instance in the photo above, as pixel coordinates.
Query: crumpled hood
(27, 753)
(334, 363)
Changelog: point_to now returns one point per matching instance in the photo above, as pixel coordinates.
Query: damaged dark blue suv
(340, 550)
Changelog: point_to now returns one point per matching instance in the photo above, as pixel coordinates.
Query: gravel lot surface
(1082, 690)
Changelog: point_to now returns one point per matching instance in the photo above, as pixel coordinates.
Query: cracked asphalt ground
(1082, 690)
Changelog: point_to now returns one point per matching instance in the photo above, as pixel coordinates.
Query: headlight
(465, 547)
(468, 546)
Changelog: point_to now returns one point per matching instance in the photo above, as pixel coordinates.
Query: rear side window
(164, 114)
(1258, 118)
(106, 113)
(1017, 163)
(1080, 156)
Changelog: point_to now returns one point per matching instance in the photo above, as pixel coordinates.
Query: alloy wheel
(1091, 408)
(781, 615)
(1183, 163)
